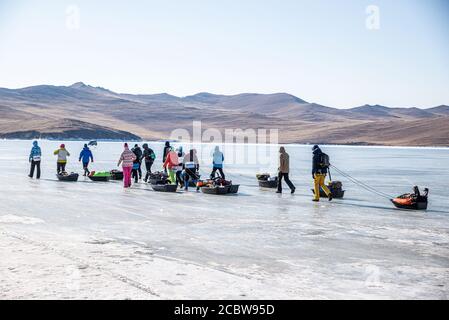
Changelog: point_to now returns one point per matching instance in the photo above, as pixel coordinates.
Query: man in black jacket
(139, 154)
(166, 151)
(319, 172)
(148, 156)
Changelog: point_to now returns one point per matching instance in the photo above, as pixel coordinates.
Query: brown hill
(86, 112)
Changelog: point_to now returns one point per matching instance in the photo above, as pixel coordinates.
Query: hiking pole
(330, 176)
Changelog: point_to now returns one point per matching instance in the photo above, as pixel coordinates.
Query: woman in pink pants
(126, 159)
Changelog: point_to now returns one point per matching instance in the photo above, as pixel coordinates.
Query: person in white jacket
(62, 154)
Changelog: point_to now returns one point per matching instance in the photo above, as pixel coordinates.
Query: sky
(342, 53)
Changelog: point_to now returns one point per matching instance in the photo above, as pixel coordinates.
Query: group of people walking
(62, 153)
(181, 168)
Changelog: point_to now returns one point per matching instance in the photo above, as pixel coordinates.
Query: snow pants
(319, 181)
(127, 176)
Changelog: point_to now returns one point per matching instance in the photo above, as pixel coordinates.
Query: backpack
(151, 155)
(324, 161)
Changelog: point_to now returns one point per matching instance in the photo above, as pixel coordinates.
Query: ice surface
(97, 240)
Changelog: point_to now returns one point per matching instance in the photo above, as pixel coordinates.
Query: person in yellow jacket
(62, 154)
(319, 172)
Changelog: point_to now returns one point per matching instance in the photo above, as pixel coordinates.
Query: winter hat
(62, 146)
(315, 147)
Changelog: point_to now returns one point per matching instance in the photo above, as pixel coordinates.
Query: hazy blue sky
(321, 51)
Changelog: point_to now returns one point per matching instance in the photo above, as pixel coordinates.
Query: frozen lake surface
(97, 240)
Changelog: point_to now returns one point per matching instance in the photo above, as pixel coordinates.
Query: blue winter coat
(218, 158)
(35, 151)
(86, 155)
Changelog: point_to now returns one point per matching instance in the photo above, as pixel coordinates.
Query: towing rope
(362, 184)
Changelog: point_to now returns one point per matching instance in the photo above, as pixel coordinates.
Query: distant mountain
(377, 111)
(441, 110)
(86, 112)
(247, 102)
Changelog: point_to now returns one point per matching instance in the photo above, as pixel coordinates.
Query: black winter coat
(147, 154)
(138, 152)
(316, 163)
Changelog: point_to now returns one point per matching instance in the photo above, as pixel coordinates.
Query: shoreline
(362, 145)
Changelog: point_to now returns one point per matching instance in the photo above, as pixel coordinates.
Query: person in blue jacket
(86, 156)
(35, 160)
(217, 162)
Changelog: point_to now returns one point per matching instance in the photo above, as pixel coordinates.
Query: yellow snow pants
(319, 181)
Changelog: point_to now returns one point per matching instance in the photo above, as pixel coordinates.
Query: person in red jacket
(171, 164)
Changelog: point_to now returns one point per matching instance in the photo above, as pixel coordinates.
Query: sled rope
(363, 185)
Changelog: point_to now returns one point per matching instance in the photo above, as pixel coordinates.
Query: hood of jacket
(317, 151)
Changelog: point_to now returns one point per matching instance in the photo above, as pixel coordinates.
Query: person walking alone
(86, 156)
(62, 154)
(319, 172)
(284, 169)
(217, 163)
(35, 160)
